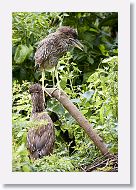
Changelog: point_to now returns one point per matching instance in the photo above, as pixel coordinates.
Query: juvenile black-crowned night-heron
(41, 136)
(53, 47)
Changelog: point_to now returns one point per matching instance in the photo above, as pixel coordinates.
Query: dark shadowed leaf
(22, 53)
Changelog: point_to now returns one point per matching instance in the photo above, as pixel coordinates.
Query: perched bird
(41, 137)
(53, 47)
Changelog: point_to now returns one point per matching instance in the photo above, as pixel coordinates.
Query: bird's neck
(37, 109)
(37, 103)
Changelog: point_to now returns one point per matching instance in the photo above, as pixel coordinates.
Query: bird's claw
(44, 90)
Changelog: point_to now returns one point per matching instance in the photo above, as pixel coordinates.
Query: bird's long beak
(77, 44)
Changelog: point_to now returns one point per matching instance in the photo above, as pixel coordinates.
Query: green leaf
(22, 53)
(102, 114)
(103, 50)
(20, 133)
(88, 94)
(84, 111)
(90, 59)
(21, 148)
(16, 40)
(76, 100)
(63, 82)
(26, 168)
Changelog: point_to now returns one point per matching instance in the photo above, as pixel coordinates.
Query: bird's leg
(43, 77)
(58, 82)
(53, 78)
(43, 87)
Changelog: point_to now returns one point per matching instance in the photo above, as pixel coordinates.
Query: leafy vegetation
(90, 78)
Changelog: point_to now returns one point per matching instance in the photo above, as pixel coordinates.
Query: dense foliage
(90, 78)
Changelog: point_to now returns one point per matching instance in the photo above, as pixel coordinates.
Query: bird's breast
(49, 52)
(50, 65)
(41, 137)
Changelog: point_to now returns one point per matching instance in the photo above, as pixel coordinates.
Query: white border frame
(9, 177)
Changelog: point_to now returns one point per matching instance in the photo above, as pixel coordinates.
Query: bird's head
(35, 88)
(37, 97)
(70, 35)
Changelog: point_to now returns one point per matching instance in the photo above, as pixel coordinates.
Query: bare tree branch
(82, 121)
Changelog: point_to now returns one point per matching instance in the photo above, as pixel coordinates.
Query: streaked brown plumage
(52, 48)
(41, 138)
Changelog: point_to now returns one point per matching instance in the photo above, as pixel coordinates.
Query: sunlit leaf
(88, 94)
(26, 168)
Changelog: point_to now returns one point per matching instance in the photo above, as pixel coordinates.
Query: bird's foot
(44, 90)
